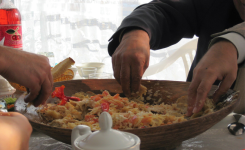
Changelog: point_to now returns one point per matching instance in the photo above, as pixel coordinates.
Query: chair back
(183, 52)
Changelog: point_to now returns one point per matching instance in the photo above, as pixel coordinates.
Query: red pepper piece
(63, 101)
(105, 106)
(59, 92)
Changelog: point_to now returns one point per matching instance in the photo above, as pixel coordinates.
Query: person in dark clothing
(162, 23)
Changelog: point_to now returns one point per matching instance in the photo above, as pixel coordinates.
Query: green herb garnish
(10, 100)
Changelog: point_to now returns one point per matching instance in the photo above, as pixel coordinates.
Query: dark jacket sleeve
(165, 21)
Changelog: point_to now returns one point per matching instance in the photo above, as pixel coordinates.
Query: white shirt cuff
(237, 40)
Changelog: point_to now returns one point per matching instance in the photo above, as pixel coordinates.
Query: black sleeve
(165, 21)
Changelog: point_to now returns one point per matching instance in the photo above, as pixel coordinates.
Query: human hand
(15, 131)
(131, 59)
(219, 63)
(28, 69)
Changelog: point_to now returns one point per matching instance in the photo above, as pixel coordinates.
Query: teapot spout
(79, 131)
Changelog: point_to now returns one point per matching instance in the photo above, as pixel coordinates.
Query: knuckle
(42, 75)
(191, 90)
(210, 71)
(136, 79)
(48, 90)
(32, 86)
(233, 77)
(117, 56)
(201, 90)
(44, 58)
(35, 87)
(125, 58)
(113, 57)
(146, 65)
(141, 57)
(47, 66)
(196, 69)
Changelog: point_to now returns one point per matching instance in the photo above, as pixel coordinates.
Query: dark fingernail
(36, 103)
(26, 99)
(195, 110)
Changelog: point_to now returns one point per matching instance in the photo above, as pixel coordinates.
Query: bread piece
(62, 67)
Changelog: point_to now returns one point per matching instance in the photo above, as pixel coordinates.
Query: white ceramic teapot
(105, 139)
(5, 88)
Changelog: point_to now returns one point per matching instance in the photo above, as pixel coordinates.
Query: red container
(10, 25)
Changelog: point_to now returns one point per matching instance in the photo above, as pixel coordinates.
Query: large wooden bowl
(162, 137)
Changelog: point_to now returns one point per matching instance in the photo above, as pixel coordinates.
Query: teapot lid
(5, 87)
(107, 138)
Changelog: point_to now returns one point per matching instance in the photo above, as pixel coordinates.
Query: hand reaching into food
(130, 60)
(211, 68)
(31, 71)
(28, 69)
(57, 71)
(15, 128)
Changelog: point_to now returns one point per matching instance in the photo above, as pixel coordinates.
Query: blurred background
(80, 29)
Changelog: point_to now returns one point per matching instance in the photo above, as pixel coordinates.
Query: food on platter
(10, 103)
(138, 96)
(85, 108)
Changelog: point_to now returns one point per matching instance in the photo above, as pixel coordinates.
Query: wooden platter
(162, 137)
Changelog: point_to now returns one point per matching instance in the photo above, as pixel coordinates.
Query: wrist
(138, 33)
(237, 40)
(226, 47)
(126, 30)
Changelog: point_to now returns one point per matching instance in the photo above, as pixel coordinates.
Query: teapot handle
(79, 131)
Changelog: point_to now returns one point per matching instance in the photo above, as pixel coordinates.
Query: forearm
(7, 57)
(165, 22)
(3, 60)
(162, 23)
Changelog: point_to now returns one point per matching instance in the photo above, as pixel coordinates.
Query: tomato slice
(105, 106)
